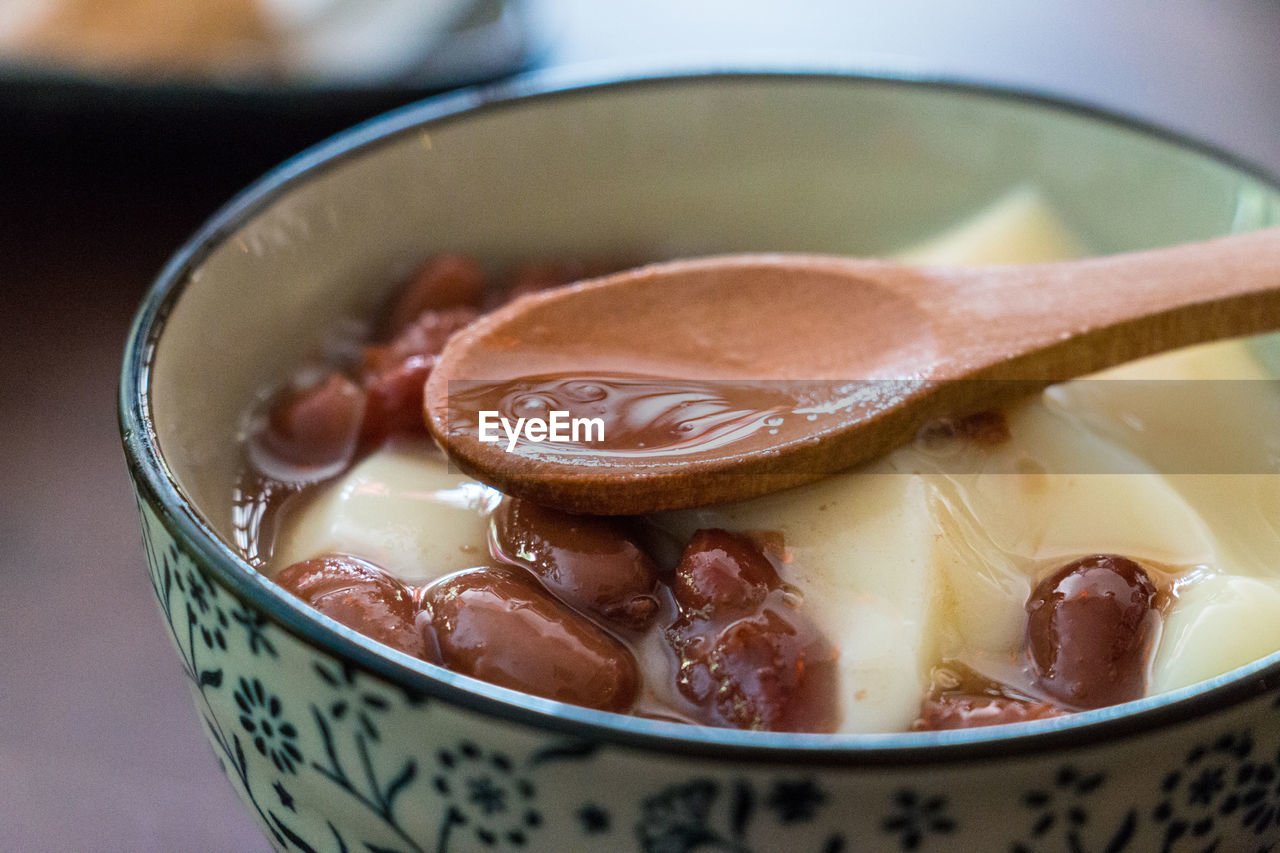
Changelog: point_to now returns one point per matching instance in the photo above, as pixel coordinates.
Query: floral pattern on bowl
(332, 758)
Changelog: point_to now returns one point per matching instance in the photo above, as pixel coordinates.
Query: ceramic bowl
(337, 744)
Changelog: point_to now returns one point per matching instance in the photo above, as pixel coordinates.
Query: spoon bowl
(725, 378)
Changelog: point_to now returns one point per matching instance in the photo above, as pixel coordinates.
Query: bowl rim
(157, 487)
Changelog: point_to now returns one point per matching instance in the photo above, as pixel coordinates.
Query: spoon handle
(1058, 320)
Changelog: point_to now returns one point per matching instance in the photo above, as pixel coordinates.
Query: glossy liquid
(658, 418)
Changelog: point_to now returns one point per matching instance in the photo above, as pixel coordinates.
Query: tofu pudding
(1096, 543)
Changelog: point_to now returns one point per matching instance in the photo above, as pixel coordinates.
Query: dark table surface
(99, 748)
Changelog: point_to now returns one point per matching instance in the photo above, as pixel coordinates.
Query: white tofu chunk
(1018, 228)
(401, 509)
(1220, 622)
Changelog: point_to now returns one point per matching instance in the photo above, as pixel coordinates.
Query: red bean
(315, 427)
(425, 336)
(442, 281)
(395, 405)
(589, 562)
(501, 626)
(723, 573)
(394, 374)
(360, 596)
(985, 429)
(968, 711)
(748, 658)
(772, 672)
(1090, 630)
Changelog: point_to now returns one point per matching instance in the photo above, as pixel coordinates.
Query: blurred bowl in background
(247, 43)
(219, 113)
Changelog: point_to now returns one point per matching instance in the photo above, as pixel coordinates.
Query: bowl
(336, 743)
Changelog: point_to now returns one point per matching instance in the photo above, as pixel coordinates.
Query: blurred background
(126, 123)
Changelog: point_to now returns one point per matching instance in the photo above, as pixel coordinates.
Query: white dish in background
(264, 44)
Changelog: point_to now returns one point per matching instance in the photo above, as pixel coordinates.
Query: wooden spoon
(728, 377)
